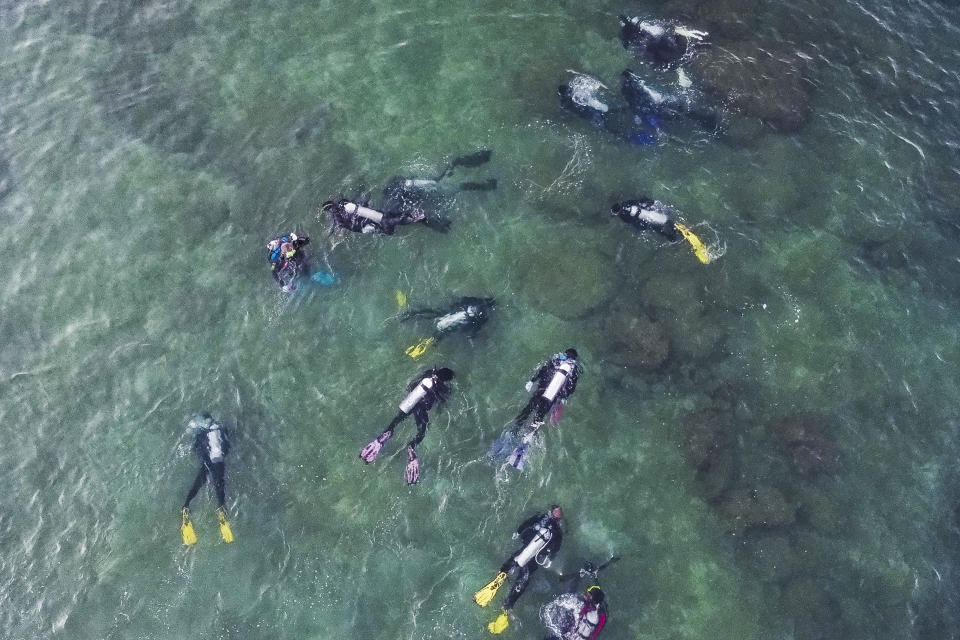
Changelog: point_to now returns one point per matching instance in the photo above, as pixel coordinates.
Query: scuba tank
(540, 540)
(451, 321)
(215, 444)
(416, 395)
(563, 372)
(364, 212)
(650, 216)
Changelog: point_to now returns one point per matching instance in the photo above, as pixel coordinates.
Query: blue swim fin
(325, 278)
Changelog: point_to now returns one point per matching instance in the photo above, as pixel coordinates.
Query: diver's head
(444, 374)
(556, 512)
(571, 353)
(595, 595)
(287, 250)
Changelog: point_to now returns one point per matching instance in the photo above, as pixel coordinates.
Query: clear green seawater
(149, 149)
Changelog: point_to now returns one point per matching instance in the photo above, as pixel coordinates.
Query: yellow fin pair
(489, 590)
(699, 249)
(189, 534)
(500, 624)
(420, 348)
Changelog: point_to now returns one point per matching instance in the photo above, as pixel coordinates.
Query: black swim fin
(474, 159)
(486, 185)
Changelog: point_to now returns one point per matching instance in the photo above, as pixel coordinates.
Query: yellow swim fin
(500, 624)
(699, 249)
(485, 595)
(186, 528)
(420, 348)
(225, 532)
(401, 299)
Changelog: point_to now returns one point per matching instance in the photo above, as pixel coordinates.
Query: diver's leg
(197, 483)
(525, 412)
(422, 419)
(519, 585)
(217, 472)
(400, 417)
(542, 408)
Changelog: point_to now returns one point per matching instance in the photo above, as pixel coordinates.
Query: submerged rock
(760, 506)
(730, 19)
(760, 82)
(770, 555)
(564, 279)
(635, 340)
(707, 448)
(811, 450)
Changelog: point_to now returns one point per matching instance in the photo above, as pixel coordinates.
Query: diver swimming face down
(661, 44)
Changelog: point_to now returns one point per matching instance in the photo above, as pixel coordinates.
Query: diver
(590, 99)
(465, 315)
(212, 446)
(589, 618)
(427, 389)
(650, 106)
(359, 218)
(287, 260)
(662, 45)
(587, 97)
(426, 194)
(647, 214)
(653, 214)
(541, 536)
(555, 381)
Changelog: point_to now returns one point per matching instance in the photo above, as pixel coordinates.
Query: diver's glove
(588, 570)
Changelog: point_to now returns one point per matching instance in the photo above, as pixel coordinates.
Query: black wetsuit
(436, 394)
(645, 213)
(661, 48)
(527, 532)
(205, 444)
(353, 221)
(466, 314)
(539, 404)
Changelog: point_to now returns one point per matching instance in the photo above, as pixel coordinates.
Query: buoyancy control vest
(540, 540)
(563, 372)
(418, 393)
(588, 621)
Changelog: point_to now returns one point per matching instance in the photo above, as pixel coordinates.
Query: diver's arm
(527, 524)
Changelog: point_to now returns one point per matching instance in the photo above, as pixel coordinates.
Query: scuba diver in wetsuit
(644, 213)
(426, 390)
(576, 616)
(589, 619)
(465, 315)
(212, 446)
(357, 217)
(426, 194)
(662, 45)
(286, 259)
(406, 200)
(555, 381)
(541, 536)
